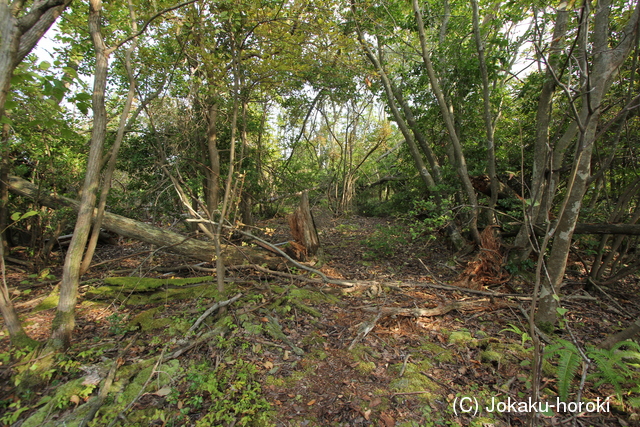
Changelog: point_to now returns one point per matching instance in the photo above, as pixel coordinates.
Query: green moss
(491, 356)
(318, 354)
(143, 284)
(414, 380)
(439, 354)
(50, 404)
(51, 301)
(274, 381)
(366, 367)
(462, 337)
(314, 339)
(546, 327)
(161, 296)
(147, 322)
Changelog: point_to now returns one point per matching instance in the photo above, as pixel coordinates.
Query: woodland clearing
(290, 352)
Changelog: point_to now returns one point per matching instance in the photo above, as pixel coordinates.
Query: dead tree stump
(306, 242)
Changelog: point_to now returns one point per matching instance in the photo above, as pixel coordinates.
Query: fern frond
(611, 367)
(567, 368)
(632, 345)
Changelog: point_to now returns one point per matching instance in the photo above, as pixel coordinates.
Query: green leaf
(28, 214)
(10, 105)
(15, 216)
(44, 65)
(561, 311)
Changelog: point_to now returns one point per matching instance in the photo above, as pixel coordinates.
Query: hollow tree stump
(306, 243)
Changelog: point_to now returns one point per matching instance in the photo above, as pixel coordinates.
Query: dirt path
(303, 350)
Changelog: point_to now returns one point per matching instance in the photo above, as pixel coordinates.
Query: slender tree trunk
(406, 132)
(461, 163)
(220, 271)
(64, 321)
(542, 164)
(111, 166)
(606, 61)
(488, 121)
(212, 196)
(19, 33)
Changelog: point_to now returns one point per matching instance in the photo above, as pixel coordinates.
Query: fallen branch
(427, 312)
(364, 330)
(154, 371)
(171, 241)
(472, 291)
(211, 309)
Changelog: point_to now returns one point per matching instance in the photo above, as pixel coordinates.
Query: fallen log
(584, 228)
(171, 241)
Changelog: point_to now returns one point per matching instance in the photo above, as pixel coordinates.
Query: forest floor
(296, 353)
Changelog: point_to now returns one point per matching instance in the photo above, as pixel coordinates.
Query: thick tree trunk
(304, 230)
(126, 227)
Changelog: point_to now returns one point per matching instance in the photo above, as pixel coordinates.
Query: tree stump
(306, 242)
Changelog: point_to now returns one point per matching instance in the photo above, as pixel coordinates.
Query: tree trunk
(488, 121)
(212, 173)
(126, 227)
(606, 62)
(111, 165)
(303, 229)
(460, 162)
(626, 334)
(541, 154)
(64, 321)
(18, 36)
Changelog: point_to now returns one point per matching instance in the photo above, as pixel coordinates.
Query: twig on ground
(211, 309)
(520, 297)
(427, 312)
(433, 276)
(602, 291)
(364, 330)
(404, 364)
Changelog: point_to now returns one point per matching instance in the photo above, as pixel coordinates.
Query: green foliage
(617, 367)
(516, 330)
(232, 392)
(13, 412)
(568, 364)
(516, 266)
(118, 324)
(386, 240)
